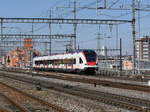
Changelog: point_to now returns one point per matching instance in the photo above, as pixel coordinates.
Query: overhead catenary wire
(92, 3)
(114, 3)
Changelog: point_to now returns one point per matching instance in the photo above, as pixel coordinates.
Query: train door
(77, 63)
(81, 62)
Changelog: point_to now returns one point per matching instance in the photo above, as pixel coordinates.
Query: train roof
(81, 50)
(72, 52)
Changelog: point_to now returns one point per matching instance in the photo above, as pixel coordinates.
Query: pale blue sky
(86, 34)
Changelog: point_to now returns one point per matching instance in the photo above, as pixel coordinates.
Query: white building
(143, 48)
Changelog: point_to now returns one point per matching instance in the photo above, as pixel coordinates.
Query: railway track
(16, 105)
(139, 78)
(97, 81)
(130, 103)
(94, 81)
(4, 110)
(127, 78)
(18, 99)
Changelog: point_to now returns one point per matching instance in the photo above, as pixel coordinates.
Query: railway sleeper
(98, 99)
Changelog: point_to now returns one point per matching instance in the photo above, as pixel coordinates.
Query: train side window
(49, 61)
(52, 62)
(36, 62)
(39, 62)
(62, 62)
(80, 61)
(46, 62)
(42, 62)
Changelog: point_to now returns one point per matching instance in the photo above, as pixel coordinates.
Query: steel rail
(17, 105)
(94, 81)
(90, 94)
(136, 101)
(4, 110)
(114, 102)
(101, 82)
(53, 106)
(113, 76)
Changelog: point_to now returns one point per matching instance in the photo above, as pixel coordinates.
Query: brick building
(21, 57)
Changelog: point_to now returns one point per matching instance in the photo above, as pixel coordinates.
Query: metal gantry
(62, 21)
(16, 42)
(54, 21)
(60, 36)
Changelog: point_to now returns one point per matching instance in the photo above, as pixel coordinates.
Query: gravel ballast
(69, 102)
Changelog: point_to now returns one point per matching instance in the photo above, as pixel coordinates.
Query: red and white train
(81, 60)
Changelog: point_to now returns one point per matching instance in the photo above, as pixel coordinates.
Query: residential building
(143, 48)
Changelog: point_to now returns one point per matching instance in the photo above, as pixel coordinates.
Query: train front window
(80, 60)
(90, 56)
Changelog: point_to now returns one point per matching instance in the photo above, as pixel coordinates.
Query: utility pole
(46, 46)
(31, 51)
(98, 41)
(75, 25)
(20, 38)
(74, 40)
(2, 28)
(105, 3)
(32, 29)
(32, 32)
(50, 32)
(1, 36)
(117, 35)
(120, 55)
(134, 34)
